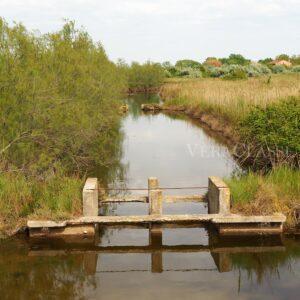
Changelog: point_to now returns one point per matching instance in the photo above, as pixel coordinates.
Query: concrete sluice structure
(218, 199)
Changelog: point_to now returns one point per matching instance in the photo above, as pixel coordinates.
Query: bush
(276, 126)
(187, 63)
(296, 69)
(279, 69)
(145, 76)
(254, 70)
(190, 73)
(234, 73)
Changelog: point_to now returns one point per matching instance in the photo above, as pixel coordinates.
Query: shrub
(296, 69)
(235, 73)
(254, 70)
(187, 63)
(279, 69)
(235, 59)
(145, 76)
(275, 126)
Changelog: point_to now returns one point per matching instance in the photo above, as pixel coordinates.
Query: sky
(169, 30)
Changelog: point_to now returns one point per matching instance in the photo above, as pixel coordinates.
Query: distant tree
(235, 59)
(265, 61)
(295, 60)
(283, 57)
(187, 63)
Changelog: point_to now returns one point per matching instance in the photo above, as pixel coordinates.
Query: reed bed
(230, 99)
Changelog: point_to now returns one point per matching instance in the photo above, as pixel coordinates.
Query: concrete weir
(219, 214)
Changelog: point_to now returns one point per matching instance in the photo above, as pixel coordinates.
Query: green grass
(21, 198)
(257, 194)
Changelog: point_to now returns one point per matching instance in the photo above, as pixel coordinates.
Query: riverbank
(259, 119)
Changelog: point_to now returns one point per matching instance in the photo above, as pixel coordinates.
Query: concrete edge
(214, 218)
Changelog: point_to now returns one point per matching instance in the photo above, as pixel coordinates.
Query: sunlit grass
(230, 99)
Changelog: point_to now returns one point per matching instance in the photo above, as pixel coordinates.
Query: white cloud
(161, 29)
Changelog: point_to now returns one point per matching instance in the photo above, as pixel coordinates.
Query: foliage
(187, 63)
(58, 101)
(58, 113)
(296, 69)
(235, 59)
(283, 57)
(145, 76)
(295, 60)
(276, 126)
(235, 73)
(265, 61)
(279, 69)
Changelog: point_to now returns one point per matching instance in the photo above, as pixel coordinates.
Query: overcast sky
(162, 30)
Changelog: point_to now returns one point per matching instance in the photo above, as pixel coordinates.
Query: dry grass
(230, 99)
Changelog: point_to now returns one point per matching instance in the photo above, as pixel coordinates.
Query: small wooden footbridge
(219, 215)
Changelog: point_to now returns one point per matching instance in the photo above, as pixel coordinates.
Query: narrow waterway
(166, 262)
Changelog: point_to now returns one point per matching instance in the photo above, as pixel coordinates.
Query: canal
(169, 262)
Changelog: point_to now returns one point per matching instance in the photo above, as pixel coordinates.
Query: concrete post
(90, 198)
(155, 197)
(218, 196)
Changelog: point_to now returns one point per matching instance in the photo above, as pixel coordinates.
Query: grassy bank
(21, 198)
(261, 116)
(257, 194)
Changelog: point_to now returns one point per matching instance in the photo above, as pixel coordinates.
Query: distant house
(281, 62)
(213, 62)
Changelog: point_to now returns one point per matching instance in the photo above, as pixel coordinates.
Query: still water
(167, 262)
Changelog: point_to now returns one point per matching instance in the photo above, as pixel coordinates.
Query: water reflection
(168, 262)
(140, 261)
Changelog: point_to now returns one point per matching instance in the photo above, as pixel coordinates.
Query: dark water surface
(170, 262)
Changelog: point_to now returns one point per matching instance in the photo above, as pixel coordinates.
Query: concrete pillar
(155, 197)
(90, 198)
(218, 196)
